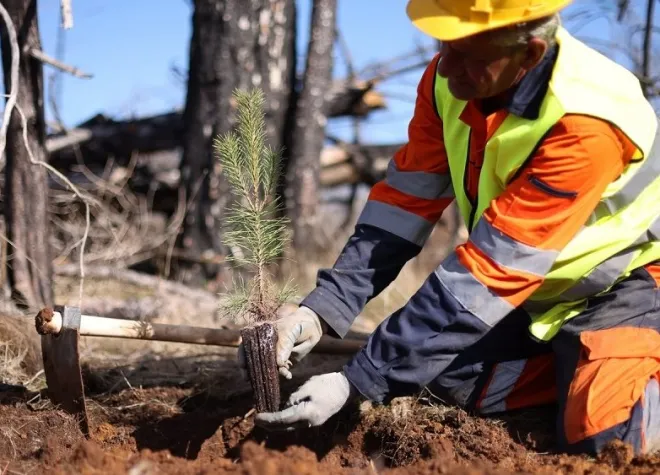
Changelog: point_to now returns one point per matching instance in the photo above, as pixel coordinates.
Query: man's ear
(536, 49)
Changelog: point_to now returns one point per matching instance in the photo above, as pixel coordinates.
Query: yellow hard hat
(453, 19)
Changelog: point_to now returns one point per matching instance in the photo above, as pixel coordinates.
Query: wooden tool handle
(119, 328)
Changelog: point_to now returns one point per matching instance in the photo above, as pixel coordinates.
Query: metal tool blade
(61, 360)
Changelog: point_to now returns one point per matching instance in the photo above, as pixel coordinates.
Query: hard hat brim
(444, 25)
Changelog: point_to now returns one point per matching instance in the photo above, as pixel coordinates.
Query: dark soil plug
(260, 342)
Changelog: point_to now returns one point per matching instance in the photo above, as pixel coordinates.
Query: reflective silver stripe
(449, 192)
(398, 221)
(653, 233)
(505, 375)
(428, 186)
(510, 253)
(601, 278)
(474, 296)
(609, 271)
(651, 416)
(643, 177)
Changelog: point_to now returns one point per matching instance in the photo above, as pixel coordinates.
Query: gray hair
(520, 33)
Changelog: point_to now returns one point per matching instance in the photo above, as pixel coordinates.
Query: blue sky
(130, 45)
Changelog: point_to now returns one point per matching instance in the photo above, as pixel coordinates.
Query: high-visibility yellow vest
(623, 232)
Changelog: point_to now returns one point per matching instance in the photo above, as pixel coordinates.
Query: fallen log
(158, 172)
(350, 164)
(342, 174)
(100, 136)
(356, 99)
(138, 279)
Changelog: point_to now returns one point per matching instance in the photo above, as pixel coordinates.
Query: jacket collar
(531, 90)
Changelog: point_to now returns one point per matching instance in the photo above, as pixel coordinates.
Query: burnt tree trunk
(29, 266)
(235, 44)
(309, 129)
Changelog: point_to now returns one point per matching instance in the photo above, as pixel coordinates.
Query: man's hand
(297, 334)
(311, 405)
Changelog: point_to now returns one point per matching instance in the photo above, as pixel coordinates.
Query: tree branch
(648, 31)
(73, 188)
(44, 58)
(72, 137)
(13, 94)
(66, 14)
(11, 105)
(395, 72)
(346, 52)
(381, 68)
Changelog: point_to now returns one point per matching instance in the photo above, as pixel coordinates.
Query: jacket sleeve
(509, 251)
(417, 188)
(396, 220)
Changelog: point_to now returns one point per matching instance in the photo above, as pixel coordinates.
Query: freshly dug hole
(406, 432)
(260, 342)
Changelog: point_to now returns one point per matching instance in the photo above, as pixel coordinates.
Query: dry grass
(124, 230)
(20, 358)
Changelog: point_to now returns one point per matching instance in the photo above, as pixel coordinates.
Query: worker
(551, 152)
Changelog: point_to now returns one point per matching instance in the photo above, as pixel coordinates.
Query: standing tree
(26, 192)
(309, 131)
(235, 44)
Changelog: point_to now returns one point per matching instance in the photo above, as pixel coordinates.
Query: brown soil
(199, 422)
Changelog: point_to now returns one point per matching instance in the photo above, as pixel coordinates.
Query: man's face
(476, 69)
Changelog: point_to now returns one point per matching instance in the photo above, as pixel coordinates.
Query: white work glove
(297, 333)
(311, 405)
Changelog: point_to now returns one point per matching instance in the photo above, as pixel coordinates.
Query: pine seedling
(257, 237)
(256, 233)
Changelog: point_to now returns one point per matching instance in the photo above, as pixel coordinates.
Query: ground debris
(207, 427)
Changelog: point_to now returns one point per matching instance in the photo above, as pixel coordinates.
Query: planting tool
(61, 328)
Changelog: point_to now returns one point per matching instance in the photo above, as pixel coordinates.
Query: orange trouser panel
(536, 385)
(614, 367)
(654, 270)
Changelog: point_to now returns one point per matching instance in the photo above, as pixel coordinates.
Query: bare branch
(54, 81)
(72, 137)
(23, 253)
(646, 58)
(346, 53)
(44, 58)
(422, 52)
(409, 98)
(13, 94)
(66, 14)
(73, 188)
(11, 105)
(403, 70)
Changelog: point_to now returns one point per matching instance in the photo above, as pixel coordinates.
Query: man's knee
(630, 431)
(455, 392)
(505, 386)
(613, 394)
